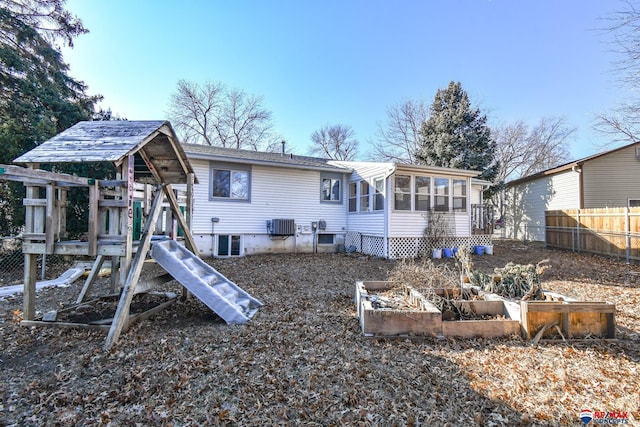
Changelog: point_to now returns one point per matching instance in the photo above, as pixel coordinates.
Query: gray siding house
(608, 179)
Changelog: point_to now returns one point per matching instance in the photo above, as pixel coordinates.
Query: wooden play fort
(124, 216)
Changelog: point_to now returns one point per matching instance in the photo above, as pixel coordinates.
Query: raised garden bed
(388, 309)
(567, 319)
(411, 315)
(491, 321)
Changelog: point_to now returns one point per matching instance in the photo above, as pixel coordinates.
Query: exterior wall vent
(282, 227)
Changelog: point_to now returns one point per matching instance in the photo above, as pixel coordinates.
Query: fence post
(627, 232)
(578, 230)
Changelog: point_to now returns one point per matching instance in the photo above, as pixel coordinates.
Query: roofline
(435, 169)
(242, 160)
(567, 166)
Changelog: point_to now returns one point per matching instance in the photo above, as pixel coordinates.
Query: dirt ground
(302, 360)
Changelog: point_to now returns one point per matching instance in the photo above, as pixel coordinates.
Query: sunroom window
(441, 194)
(422, 193)
(459, 195)
(364, 196)
(402, 193)
(378, 200)
(353, 197)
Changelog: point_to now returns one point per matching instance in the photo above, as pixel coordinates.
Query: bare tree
(622, 123)
(210, 113)
(248, 123)
(398, 138)
(523, 151)
(336, 142)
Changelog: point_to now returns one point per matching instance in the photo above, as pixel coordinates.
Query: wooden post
(177, 213)
(93, 226)
(30, 260)
(50, 220)
(97, 265)
(121, 317)
(126, 218)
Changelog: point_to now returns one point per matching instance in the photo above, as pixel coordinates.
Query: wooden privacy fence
(605, 231)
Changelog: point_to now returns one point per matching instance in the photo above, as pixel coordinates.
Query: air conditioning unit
(282, 227)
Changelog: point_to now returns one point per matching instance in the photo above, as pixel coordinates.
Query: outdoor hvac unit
(282, 227)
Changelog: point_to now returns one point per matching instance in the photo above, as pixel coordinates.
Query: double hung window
(402, 193)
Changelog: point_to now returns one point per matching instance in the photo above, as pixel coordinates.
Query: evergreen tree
(456, 135)
(38, 99)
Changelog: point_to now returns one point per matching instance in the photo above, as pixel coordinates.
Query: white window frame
(353, 197)
(415, 193)
(436, 195)
(365, 197)
(464, 197)
(378, 194)
(397, 191)
(333, 179)
(229, 248)
(232, 169)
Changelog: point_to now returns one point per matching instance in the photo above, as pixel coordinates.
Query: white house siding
(527, 202)
(413, 224)
(276, 192)
(370, 223)
(476, 194)
(610, 180)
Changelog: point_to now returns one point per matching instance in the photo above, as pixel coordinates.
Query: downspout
(578, 169)
(387, 210)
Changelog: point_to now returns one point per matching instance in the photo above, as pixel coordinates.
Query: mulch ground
(302, 360)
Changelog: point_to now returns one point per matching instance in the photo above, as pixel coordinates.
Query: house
(608, 179)
(255, 202)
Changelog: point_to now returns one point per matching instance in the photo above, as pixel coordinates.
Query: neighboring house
(608, 179)
(254, 202)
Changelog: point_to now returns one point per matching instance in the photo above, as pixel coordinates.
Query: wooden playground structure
(148, 160)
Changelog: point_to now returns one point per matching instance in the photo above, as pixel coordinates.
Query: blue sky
(330, 62)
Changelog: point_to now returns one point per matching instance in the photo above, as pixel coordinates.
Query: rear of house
(254, 202)
(393, 208)
(251, 202)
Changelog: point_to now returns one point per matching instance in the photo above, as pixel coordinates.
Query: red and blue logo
(604, 417)
(586, 416)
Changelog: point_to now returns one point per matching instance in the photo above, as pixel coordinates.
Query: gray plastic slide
(221, 295)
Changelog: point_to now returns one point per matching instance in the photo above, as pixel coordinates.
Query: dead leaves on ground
(303, 360)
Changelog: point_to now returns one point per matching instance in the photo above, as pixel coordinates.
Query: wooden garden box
(486, 328)
(423, 319)
(576, 319)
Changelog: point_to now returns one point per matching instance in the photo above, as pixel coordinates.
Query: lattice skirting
(407, 247)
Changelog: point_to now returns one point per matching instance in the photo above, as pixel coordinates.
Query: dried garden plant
(518, 281)
(426, 277)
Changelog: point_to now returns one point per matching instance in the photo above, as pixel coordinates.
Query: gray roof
(158, 154)
(566, 166)
(288, 160)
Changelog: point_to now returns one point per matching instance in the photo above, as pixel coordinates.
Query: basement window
(228, 245)
(325, 239)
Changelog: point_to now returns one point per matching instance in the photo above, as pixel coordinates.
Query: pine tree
(456, 135)
(38, 99)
